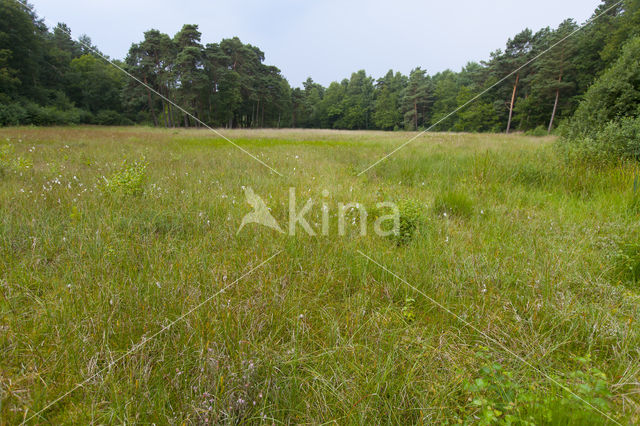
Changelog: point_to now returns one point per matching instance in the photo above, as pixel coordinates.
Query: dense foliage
(47, 78)
(607, 121)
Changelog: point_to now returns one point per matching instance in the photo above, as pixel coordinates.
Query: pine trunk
(555, 104)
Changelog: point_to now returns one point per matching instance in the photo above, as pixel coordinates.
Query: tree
(516, 55)
(188, 71)
(553, 72)
(445, 94)
(388, 96)
(615, 95)
(417, 98)
(95, 85)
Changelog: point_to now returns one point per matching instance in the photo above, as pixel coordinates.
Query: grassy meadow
(108, 235)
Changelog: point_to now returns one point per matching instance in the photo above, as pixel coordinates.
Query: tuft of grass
(628, 262)
(633, 204)
(453, 203)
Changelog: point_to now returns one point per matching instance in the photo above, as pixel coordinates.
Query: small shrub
(453, 203)
(5, 158)
(129, 180)
(410, 215)
(538, 132)
(6, 151)
(497, 398)
(9, 162)
(110, 118)
(408, 310)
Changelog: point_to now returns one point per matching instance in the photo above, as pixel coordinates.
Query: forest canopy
(48, 78)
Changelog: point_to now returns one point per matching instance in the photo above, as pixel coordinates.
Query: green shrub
(498, 398)
(453, 203)
(129, 180)
(50, 115)
(605, 125)
(10, 162)
(538, 131)
(5, 158)
(12, 115)
(616, 140)
(110, 118)
(410, 216)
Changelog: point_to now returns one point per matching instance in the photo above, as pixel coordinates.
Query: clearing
(508, 237)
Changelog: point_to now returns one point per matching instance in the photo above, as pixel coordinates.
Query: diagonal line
(145, 340)
(491, 87)
(502, 345)
(96, 52)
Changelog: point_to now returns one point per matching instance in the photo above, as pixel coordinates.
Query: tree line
(48, 78)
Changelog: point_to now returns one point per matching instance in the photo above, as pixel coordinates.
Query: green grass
(528, 252)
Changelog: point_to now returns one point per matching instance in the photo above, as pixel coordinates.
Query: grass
(529, 252)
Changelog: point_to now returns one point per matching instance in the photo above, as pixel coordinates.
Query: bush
(616, 140)
(110, 118)
(606, 124)
(410, 215)
(12, 115)
(5, 158)
(10, 162)
(49, 115)
(496, 397)
(129, 180)
(538, 131)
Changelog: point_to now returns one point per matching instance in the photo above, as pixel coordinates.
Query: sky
(326, 40)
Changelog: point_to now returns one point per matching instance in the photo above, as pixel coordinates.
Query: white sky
(329, 39)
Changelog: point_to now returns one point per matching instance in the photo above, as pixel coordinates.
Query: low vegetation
(538, 254)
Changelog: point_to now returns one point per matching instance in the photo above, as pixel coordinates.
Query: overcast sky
(329, 39)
